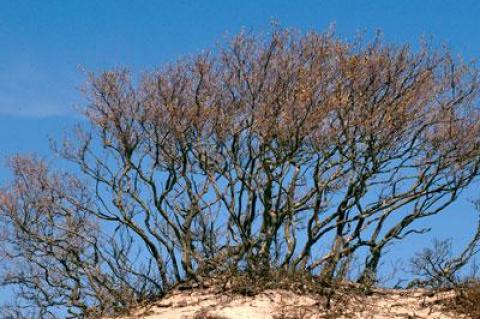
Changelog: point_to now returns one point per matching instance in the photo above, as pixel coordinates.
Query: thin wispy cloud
(29, 90)
(23, 110)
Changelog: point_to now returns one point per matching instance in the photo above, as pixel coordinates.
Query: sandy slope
(383, 303)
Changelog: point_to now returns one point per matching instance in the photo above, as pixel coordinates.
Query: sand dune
(280, 304)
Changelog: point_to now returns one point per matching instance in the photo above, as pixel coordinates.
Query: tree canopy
(289, 151)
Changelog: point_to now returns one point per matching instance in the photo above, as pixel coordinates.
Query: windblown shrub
(254, 157)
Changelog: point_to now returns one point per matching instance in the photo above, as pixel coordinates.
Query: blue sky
(45, 45)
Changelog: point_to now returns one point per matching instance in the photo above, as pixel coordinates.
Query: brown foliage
(253, 157)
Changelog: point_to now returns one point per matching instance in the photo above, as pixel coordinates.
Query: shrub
(250, 158)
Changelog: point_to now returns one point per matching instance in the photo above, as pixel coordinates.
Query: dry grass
(466, 301)
(203, 314)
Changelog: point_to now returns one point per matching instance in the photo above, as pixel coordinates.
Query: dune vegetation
(271, 162)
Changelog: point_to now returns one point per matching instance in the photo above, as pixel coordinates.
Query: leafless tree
(439, 267)
(262, 154)
(56, 258)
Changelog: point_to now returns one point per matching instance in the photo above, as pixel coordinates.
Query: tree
(253, 157)
(55, 252)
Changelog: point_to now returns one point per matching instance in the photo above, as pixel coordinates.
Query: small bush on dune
(466, 300)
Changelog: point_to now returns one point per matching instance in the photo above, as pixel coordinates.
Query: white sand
(382, 304)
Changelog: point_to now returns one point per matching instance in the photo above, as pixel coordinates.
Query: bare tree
(439, 267)
(260, 154)
(58, 261)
